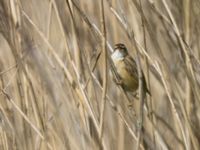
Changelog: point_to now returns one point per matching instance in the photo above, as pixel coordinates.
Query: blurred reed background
(57, 91)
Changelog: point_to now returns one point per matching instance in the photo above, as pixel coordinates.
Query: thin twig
(8, 69)
(145, 46)
(141, 88)
(103, 100)
(77, 51)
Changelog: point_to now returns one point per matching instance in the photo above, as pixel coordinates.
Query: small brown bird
(126, 68)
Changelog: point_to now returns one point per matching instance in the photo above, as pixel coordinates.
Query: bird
(126, 69)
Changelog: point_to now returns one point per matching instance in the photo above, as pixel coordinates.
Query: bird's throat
(117, 55)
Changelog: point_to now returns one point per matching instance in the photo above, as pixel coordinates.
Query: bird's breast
(129, 81)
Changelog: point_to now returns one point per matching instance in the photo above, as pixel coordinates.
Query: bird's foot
(130, 106)
(119, 82)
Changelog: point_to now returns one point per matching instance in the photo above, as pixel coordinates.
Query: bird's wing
(131, 66)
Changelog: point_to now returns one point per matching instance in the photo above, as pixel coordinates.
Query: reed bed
(56, 85)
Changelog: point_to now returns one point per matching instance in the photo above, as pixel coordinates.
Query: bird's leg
(118, 82)
(131, 108)
(135, 94)
(130, 105)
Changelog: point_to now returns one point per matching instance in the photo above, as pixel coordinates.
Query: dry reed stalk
(52, 88)
(105, 72)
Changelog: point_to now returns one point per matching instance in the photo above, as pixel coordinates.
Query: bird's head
(120, 51)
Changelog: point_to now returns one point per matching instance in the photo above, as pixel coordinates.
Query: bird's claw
(118, 82)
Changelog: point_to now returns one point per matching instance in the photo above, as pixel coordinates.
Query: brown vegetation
(56, 88)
